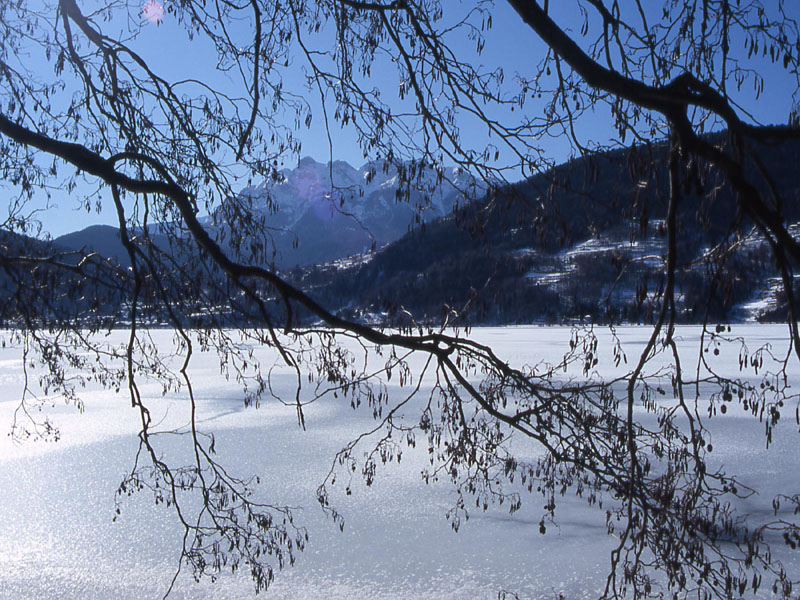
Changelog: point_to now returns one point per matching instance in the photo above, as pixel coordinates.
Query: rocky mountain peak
(322, 211)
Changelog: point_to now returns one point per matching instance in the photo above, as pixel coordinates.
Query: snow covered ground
(57, 539)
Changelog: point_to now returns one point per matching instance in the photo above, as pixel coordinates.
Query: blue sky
(509, 44)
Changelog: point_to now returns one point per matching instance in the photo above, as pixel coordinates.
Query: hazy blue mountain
(320, 212)
(103, 239)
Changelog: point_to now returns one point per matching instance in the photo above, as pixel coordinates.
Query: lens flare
(153, 11)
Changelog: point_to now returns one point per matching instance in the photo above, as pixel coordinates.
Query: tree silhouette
(162, 150)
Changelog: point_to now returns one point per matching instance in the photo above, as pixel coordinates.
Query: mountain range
(584, 239)
(318, 212)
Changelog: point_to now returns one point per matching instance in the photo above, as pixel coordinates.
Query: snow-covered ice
(57, 538)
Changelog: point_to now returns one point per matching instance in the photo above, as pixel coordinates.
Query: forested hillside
(586, 239)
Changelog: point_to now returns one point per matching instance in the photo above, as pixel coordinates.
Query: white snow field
(57, 538)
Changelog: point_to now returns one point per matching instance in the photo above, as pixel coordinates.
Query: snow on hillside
(624, 246)
(551, 270)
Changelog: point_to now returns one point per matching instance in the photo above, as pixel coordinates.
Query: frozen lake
(57, 538)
